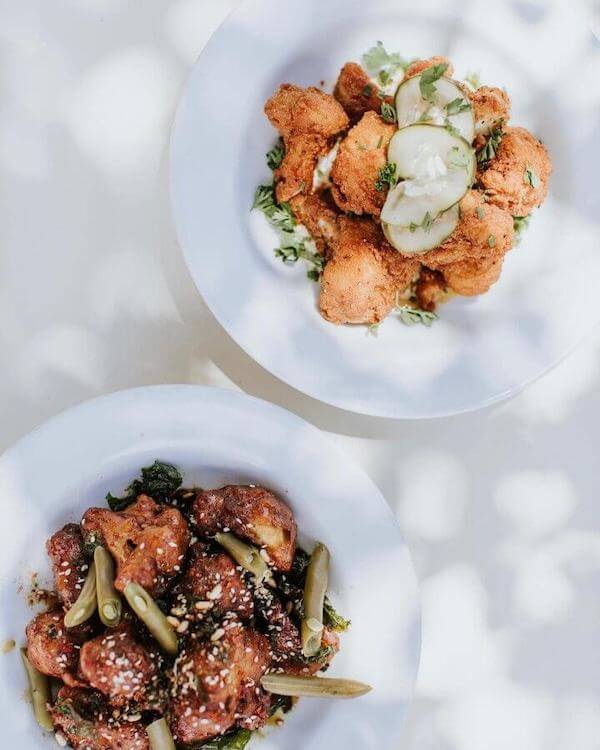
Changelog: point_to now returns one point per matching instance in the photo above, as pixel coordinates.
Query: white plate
(481, 350)
(218, 437)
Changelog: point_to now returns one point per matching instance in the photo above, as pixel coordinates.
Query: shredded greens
(160, 481)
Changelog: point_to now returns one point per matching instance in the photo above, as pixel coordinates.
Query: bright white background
(501, 508)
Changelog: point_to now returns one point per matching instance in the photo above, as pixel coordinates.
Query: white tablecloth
(500, 508)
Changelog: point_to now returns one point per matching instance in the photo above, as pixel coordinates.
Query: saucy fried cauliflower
(85, 721)
(122, 669)
(491, 106)
(420, 65)
(516, 179)
(360, 281)
(147, 540)
(319, 216)
(357, 93)
(253, 513)
(213, 578)
(213, 683)
(356, 168)
(308, 121)
(52, 648)
(69, 563)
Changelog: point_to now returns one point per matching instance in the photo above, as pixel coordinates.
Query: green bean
(150, 614)
(315, 587)
(313, 687)
(85, 606)
(39, 689)
(109, 601)
(160, 735)
(245, 555)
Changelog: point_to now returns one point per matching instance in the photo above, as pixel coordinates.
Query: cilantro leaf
(531, 178)
(275, 156)
(387, 177)
(428, 78)
(388, 112)
(378, 59)
(456, 106)
(488, 152)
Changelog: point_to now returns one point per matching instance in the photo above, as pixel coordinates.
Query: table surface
(499, 507)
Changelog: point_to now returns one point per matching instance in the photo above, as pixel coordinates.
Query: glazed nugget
(253, 513)
(485, 232)
(51, 648)
(360, 282)
(470, 277)
(319, 217)
(491, 106)
(520, 160)
(69, 564)
(355, 171)
(357, 93)
(308, 120)
(430, 289)
(420, 65)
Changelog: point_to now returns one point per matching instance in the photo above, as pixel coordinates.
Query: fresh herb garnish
(367, 91)
(281, 703)
(387, 177)
(456, 106)
(411, 316)
(384, 77)
(373, 330)
(491, 241)
(275, 156)
(332, 618)
(520, 224)
(473, 80)
(388, 112)
(425, 224)
(489, 151)
(480, 212)
(279, 215)
(295, 250)
(531, 178)
(378, 59)
(233, 741)
(427, 81)
(380, 141)
(160, 481)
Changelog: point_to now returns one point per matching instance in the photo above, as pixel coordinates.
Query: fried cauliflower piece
(420, 65)
(52, 649)
(252, 513)
(208, 573)
(356, 169)
(360, 282)
(122, 669)
(147, 540)
(85, 721)
(282, 631)
(308, 121)
(69, 564)
(491, 106)
(470, 277)
(520, 160)
(357, 93)
(485, 232)
(319, 217)
(430, 289)
(216, 683)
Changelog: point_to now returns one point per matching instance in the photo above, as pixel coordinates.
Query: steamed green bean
(160, 735)
(315, 587)
(86, 603)
(109, 601)
(246, 555)
(313, 687)
(39, 689)
(151, 615)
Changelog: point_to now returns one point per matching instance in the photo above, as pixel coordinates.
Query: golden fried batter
(520, 161)
(420, 65)
(484, 232)
(430, 289)
(491, 106)
(355, 171)
(470, 277)
(360, 282)
(319, 217)
(308, 120)
(357, 93)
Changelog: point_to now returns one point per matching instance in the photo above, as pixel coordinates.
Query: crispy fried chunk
(69, 564)
(357, 93)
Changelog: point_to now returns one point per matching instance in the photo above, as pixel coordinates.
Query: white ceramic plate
(481, 350)
(218, 437)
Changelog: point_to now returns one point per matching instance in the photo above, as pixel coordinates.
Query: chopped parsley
(378, 60)
(531, 178)
(411, 316)
(293, 245)
(489, 151)
(520, 224)
(388, 112)
(456, 106)
(473, 80)
(427, 81)
(426, 224)
(275, 156)
(387, 177)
